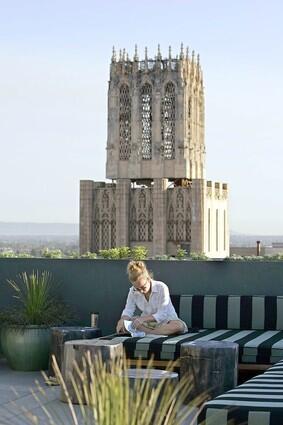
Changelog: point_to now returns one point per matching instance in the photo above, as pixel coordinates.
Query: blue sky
(54, 68)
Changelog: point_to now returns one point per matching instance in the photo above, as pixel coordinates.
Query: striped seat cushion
(230, 311)
(255, 346)
(258, 401)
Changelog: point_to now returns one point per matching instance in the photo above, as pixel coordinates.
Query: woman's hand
(138, 322)
(120, 327)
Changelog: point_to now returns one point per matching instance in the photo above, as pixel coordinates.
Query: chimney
(257, 248)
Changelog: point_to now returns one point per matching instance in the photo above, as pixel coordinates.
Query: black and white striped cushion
(258, 401)
(230, 311)
(255, 346)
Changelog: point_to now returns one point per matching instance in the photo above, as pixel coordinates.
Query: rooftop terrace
(16, 397)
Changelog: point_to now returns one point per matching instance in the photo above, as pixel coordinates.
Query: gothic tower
(155, 117)
(158, 197)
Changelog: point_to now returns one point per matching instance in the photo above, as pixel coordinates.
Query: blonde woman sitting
(152, 298)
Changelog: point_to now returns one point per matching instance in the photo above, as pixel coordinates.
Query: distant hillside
(39, 229)
(12, 231)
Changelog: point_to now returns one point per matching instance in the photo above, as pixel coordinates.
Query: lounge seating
(253, 322)
(257, 401)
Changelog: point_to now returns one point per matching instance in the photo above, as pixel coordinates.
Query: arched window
(133, 224)
(168, 121)
(180, 228)
(146, 120)
(170, 224)
(96, 238)
(113, 227)
(180, 199)
(142, 228)
(125, 122)
(142, 200)
(188, 223)
(105, 200)
(105, 232)
(150, 223)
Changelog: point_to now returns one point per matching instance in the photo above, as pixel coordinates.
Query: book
(128, 325)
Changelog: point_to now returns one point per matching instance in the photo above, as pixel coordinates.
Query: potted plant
(25, 334)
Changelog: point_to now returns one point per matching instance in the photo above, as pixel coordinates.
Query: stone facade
(158, 197)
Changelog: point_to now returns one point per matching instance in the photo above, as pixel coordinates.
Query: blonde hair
(136, 269)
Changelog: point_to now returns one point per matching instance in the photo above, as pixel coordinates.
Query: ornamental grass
(105, 396)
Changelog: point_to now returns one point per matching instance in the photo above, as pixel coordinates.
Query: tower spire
(182, 51)
(170, 58)
(136, 57)
(187, 53)
(113, 59)
(159, 57)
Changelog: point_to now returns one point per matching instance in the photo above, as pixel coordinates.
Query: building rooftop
(18, 393)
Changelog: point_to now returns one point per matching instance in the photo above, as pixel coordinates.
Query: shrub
(73, 254)
(36, 305)
(181, 254)
(52, 253)
(110, 254)
(139, 253)
(24, 255)
(89, 255)
(124, 252)
(275, 257)
(199, 256)
(162, 257)
(9, 253)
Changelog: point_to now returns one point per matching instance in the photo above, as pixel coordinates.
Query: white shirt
(159, 304)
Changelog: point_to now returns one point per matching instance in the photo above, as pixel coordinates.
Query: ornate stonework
(156, 159)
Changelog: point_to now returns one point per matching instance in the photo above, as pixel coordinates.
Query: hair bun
(135, 269)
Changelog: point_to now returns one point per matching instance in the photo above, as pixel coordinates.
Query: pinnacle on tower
(145, 53)
(136, 57)
(187, 53)
(182, 51)
(159, 57)
(113, 59)
(145, 58)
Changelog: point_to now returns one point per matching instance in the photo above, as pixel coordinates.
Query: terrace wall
(102, 285)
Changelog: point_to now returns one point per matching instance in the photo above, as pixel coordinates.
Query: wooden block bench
(75, 353)
(255, 323)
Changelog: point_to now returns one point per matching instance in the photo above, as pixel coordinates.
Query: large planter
(26, 348)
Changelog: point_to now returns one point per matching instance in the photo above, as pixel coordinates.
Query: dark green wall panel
(101, 285)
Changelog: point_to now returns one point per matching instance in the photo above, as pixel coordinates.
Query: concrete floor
(18, 393)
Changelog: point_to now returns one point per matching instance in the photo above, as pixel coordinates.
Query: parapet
(216, 190)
